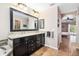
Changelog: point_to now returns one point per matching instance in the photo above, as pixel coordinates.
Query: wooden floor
(66, 49)
(46, 51)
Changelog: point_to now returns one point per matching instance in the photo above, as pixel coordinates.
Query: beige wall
(51, 16)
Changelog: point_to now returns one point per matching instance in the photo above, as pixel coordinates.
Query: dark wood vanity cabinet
(19, 47)
(25, 46)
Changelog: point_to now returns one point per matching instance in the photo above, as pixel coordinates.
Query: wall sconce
(22, 6)
(27, 9)
(35, 13)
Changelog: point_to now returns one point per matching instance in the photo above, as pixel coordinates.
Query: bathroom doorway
(68, 32)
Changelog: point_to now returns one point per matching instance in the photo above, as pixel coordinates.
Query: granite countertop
(23, 34)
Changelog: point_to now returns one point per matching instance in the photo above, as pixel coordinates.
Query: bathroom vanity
(28, 43)
(29, 39)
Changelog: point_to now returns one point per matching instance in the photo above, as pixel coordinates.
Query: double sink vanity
(23, 43)
(27, 43)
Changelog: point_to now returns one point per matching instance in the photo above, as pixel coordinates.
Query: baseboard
(51, 47)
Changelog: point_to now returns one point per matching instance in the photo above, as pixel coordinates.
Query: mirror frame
(11, 21)
(42, 23)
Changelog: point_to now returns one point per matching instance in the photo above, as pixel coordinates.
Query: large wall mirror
(20, 21)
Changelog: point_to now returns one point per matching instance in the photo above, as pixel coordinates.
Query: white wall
(51, 16)
(77, 23)
(4, 20)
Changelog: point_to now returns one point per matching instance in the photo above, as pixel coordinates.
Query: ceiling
(64, 7)
(68, 7)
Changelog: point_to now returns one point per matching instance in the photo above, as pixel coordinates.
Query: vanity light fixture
(35, 13)
(21, 4)
(26, 8)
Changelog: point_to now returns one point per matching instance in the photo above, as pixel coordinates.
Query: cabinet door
(43, 39)
(19, 50)
(31, 44)
(26, 46)
(19, 47)
(38, 41)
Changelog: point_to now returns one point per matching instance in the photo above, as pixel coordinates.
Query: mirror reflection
(23, 21)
